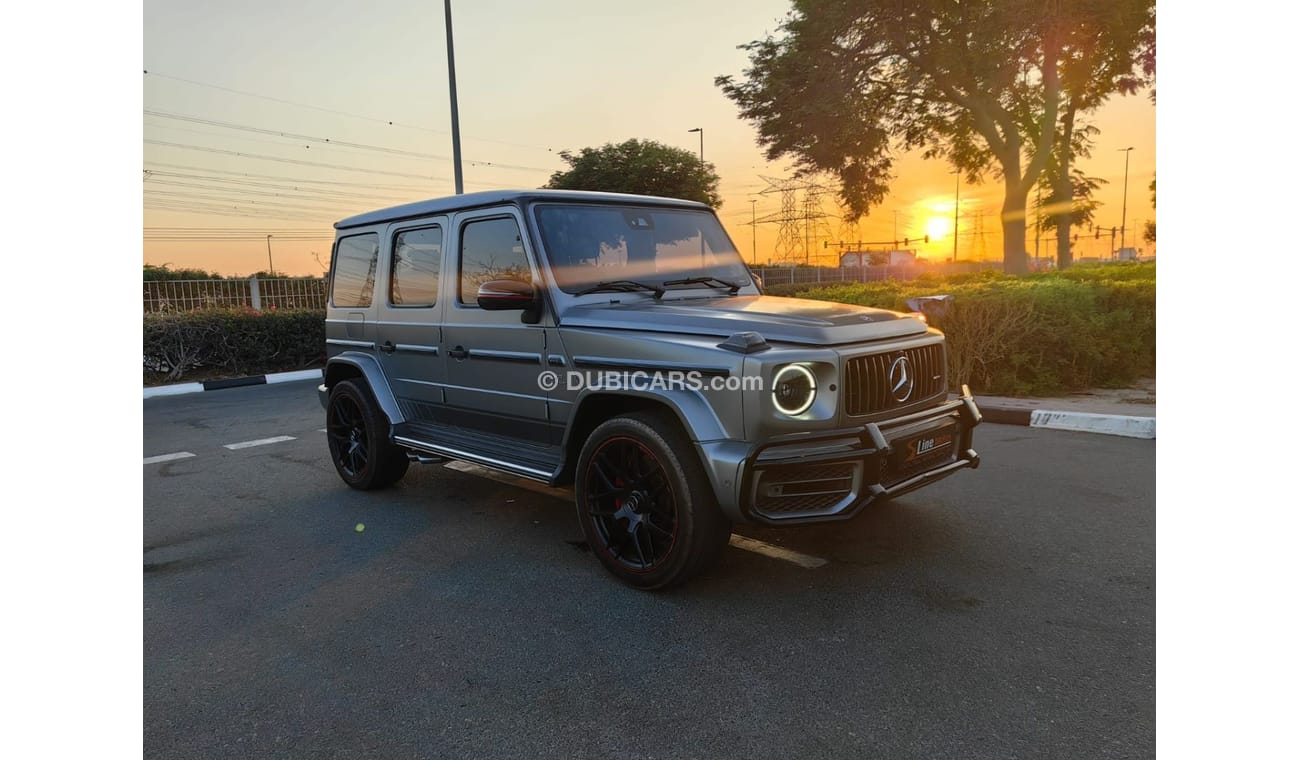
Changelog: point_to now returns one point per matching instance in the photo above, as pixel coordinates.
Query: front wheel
(358, 439)
(645, 503)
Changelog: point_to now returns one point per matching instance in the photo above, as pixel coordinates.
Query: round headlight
(793, 389)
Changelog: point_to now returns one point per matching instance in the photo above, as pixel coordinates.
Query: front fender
(692, 409)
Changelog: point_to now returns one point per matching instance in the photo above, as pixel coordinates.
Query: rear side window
(417, 258)
(490, 250)
(354, 270)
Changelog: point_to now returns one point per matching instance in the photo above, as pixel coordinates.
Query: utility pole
(269, 261)
(955, 207)
(1123, 219)
(455, 111)
(895, 228)
(753, 229)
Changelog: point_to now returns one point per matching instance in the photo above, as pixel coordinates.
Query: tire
(645, 503)
(358, 439)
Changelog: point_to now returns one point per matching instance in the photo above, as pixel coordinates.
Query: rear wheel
(358, 439)
(645, 503)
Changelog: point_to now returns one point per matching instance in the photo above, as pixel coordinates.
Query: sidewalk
(1123, 411)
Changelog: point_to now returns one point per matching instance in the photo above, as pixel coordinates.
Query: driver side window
(490, 249)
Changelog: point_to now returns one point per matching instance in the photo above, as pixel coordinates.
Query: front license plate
(921, 452)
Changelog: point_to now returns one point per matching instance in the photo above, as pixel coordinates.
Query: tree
(978, 83)
(1073, 205)
(642, 167)
(1108, 48)
(1081, 205)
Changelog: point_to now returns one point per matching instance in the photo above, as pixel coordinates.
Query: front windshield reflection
(591, 244)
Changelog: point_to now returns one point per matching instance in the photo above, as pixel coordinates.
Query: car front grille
(787, 490)
(867, 386)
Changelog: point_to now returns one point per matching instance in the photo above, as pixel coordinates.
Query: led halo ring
(812, 383)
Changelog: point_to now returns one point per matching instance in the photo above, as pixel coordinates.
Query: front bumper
(833, 475)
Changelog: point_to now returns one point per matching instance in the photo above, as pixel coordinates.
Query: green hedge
(231, 342)
(1038, 334)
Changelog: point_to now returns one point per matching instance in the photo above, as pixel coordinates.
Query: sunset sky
(533, 79)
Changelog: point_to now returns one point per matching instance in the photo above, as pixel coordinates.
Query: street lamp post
(701, 131)
(455, 112)
(269, 261)
(1124, 214)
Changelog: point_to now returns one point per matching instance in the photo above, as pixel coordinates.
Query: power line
(334, 111)
(153, 173)
(210, 170)
(292, 135)
(268, 190)
(298, 162)
(329, 142)
(224, 199)
(230, 211)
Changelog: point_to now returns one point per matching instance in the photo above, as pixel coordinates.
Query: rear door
(408, 328)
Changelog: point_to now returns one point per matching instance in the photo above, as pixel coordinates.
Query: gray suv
(618, 344)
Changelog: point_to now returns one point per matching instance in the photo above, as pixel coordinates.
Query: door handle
(388, 347)
(459, 352)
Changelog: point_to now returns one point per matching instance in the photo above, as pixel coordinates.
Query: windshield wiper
(621, 286)
(713, 282)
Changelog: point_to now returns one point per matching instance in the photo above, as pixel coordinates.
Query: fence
(311, 293)
(812, 275)
(187, 295)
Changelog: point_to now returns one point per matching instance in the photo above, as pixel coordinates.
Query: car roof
(494, 197)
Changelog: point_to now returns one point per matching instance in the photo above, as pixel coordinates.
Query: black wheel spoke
(640, 553)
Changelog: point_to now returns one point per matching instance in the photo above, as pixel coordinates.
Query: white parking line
(777, 552)
(259, 442)
(167, 457)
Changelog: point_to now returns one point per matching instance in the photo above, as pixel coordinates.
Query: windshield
(587, 245)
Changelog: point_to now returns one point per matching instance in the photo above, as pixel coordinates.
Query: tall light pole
(1124, 215)
(701, 131)
(269, 262)
(455, 111)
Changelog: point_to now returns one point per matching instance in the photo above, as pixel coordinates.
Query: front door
(493, 359)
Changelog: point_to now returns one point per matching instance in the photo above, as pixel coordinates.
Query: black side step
(524, 458)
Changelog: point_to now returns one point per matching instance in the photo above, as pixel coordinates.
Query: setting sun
(938, 227)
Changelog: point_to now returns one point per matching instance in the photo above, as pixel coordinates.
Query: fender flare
(374, 376)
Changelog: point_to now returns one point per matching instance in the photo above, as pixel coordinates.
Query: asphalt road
(1005, 612)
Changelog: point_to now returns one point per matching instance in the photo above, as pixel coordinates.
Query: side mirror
(506, 295)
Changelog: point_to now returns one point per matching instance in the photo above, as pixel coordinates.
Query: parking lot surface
(1004, 612)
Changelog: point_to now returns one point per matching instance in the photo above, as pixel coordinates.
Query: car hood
(788, 320)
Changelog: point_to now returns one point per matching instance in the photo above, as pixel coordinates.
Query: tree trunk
(1064, 191)
(1014, 259)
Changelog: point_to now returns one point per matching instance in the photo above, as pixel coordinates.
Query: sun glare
(938, 227)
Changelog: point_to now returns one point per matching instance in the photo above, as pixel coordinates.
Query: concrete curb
(1085, 422)
(1129, 426)
(234, 382)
